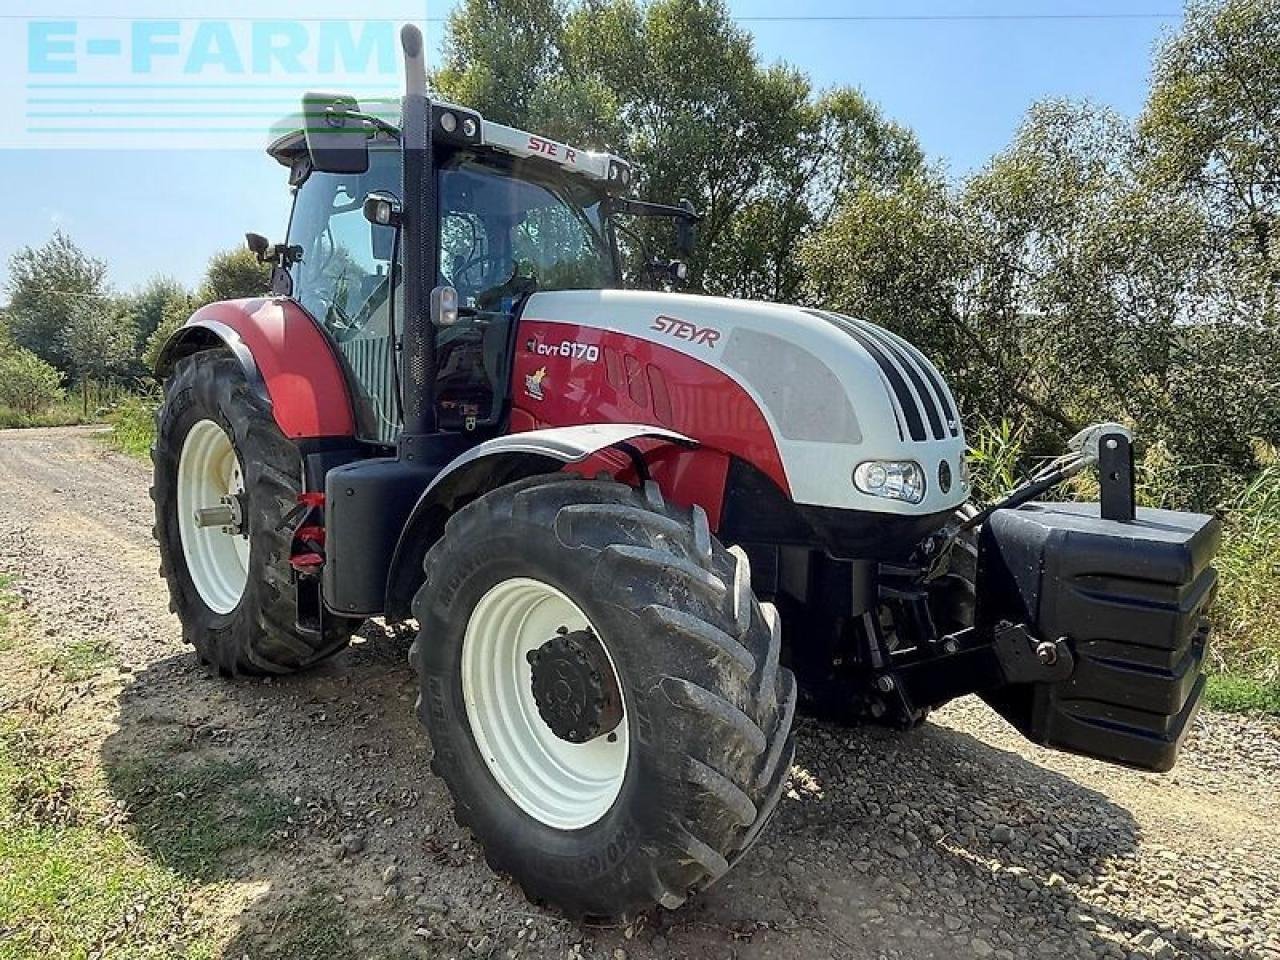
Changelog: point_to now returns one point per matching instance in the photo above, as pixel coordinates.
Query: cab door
(344, 280)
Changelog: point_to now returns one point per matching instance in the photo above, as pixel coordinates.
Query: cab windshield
(507, 228)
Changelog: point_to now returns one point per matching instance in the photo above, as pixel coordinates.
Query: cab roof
(458, 125)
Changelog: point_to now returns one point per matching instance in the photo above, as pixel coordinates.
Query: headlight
(891, 479)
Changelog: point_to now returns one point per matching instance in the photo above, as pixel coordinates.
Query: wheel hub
(560, 783)
(228, 515)
(574, 686)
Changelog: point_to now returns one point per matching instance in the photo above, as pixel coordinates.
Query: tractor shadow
(308, 803)
(938, 844)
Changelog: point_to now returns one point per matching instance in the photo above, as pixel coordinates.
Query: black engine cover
(1130, 599)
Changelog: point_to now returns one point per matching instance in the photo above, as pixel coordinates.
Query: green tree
(232, 275)
(678, 88)
(146, 305)
(100, 344)
(1062, 285)
(177, 310)
(46, 284)
(1211, 130)
(1023, 283)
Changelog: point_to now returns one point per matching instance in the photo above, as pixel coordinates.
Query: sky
(961, 73)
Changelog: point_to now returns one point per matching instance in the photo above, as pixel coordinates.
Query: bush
(65, 413)
(1247, 611)
(133, 425)
(28, 385)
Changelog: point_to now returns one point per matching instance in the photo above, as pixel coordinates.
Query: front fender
(286, 359)
(486, 467)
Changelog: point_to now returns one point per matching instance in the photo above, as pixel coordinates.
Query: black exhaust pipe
(420, 248)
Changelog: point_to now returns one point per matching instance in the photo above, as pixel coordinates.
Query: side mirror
(687, 230)
(258, 245)
(337, 141)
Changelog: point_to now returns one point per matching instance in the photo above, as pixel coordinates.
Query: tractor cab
(514, 214)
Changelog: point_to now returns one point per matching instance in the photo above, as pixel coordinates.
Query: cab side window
(346, 261)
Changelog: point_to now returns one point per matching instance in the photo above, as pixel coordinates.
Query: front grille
(922, 405)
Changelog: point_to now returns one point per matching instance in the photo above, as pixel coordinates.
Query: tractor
(633, 528)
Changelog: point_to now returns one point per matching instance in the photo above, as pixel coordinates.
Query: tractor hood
(835, 391)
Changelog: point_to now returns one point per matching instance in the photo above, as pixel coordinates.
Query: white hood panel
(836, 392)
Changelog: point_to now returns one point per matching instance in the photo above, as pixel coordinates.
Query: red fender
(285, 354)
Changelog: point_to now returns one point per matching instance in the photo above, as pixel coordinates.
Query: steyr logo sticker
(684, 330)
(533, 383)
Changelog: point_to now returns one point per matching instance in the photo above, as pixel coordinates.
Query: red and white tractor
(615, 514)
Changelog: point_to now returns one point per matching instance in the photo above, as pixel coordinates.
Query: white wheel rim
(564, 785)
(218, 562)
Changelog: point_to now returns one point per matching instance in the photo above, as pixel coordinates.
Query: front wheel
(226, 480)
(602, 693)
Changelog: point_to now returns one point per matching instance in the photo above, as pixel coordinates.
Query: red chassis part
(609, 377)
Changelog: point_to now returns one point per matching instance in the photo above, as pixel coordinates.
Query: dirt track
(958, 840)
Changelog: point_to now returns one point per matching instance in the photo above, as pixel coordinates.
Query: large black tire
(708, 706)
(260, 635)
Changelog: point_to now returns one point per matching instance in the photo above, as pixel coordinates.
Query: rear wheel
(602, 692)
(225, 478)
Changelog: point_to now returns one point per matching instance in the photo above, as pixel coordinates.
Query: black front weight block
(1128, 599)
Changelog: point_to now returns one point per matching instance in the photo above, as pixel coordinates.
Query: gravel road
(956, 840)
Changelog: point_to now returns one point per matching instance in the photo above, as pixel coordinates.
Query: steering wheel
(460, 275)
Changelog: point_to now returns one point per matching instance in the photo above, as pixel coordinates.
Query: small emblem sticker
(533, 383)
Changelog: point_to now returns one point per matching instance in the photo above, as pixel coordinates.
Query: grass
(133, 425)
(132, 420)
(78, 660)
(1236, 694)
(1247, 610)
(1245, 645)
(315, 928)
(75, 661)
(73, 886)
(101, 862)
(194, 816)
(64, 413)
